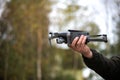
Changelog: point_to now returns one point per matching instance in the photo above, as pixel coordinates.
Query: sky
(102, 16)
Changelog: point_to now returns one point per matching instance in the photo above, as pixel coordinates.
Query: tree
(29, 22)
(5, 42)
(116, 19)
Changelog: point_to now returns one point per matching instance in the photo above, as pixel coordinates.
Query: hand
(79, 45)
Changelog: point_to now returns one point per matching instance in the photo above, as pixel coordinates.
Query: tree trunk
(6, 62)
(39, 49)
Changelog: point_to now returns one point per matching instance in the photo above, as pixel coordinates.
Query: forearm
(101, 65)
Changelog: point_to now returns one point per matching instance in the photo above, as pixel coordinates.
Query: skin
(79, 45)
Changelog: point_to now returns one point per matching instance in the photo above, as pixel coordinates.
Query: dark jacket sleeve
(108, 68)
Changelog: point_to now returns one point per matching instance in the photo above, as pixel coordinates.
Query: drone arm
(98, 38)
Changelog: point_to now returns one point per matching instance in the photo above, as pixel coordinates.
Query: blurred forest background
(25, 53)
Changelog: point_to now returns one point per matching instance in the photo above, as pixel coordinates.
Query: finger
(74, 42)
(84, 40)
(80, 41)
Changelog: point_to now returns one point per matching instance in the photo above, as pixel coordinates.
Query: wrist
(88, 55)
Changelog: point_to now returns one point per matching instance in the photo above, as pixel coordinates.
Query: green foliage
(72, 60)
(91, 27)
(64, 77)
(27, 17)
(29, 26)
